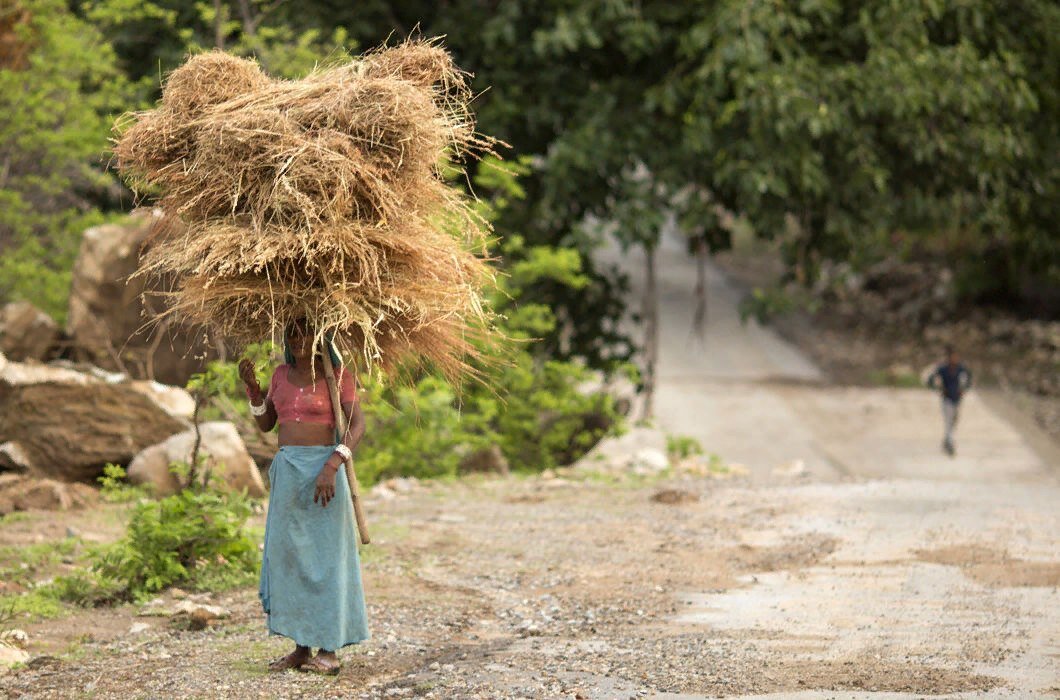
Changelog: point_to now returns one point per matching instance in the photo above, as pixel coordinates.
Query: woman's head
(298, 344)
(298, 341)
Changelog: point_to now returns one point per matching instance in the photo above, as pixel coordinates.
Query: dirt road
(854, 561)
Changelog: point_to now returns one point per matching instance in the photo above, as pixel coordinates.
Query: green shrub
(765, 304)
(115, 487)
(413, 431)
(680, 447)
(195, 538)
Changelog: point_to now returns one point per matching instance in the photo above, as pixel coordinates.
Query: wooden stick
(340, 424)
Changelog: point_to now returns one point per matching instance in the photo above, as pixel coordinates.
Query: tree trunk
(650, 313)
(218, 25)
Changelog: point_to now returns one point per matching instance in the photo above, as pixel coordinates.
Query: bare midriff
(306, 434)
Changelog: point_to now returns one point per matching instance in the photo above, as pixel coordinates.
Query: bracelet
(258, 410)
(344, 452)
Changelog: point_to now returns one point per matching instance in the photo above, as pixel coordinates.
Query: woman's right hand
(250, 379)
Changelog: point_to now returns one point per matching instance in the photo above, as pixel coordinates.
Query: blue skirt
(310, 571)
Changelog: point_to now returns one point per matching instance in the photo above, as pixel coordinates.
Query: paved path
(753, 399)
(934, 555)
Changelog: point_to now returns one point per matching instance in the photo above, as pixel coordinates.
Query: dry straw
(320, 198)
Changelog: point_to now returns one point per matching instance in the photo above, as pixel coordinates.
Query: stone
(14, 638)
(26, 332)
(107, 314)
(487, 460)
(13, 457)
(68, 424)
(9, 656)
(200, 615)
(30, 493)
(226, 456)
(172, 399)
(640, 450)
(649, 460)
(674, 497)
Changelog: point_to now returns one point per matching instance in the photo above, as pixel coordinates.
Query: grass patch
(35, 605)
(18, 516)
(900, 379)
(23, 564)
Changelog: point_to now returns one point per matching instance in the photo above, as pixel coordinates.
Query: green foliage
(412, 431)
(40, 603)
(680, 447)
(22, 564)
(195, 538)
(220, 388)
(766, 303)
(55, 115)
(115, 487)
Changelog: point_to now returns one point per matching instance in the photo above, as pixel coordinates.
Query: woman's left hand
(325, 490)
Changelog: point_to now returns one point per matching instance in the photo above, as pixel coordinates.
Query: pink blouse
(310, 404)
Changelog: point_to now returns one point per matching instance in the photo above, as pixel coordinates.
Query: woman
(310, 571)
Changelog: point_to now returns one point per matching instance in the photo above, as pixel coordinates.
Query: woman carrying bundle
(310, 571)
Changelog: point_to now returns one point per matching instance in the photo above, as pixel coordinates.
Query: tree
(58, 92)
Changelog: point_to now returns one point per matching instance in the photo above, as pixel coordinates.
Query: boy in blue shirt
(953, 379)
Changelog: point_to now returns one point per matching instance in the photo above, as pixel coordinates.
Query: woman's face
(300, 342)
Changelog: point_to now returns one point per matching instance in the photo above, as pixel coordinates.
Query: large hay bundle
(319, 198)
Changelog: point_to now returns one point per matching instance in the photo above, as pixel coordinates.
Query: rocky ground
(585, 585)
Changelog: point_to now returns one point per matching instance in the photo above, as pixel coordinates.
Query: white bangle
(259, 409)
(345, 452)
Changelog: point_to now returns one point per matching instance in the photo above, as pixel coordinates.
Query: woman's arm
(266, 421)
(325, 485)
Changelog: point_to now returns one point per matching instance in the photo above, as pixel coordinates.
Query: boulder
(9, 655)
(638, 449)
(66, 425)
(13, 457)
(26, 332)
(489, 459)
(226, 456)
(106, 320)
(30, 493)
(172, 399)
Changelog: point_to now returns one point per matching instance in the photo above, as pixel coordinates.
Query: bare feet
(325, 662)
(296, 659)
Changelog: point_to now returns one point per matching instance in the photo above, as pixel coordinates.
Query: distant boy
(953, 379)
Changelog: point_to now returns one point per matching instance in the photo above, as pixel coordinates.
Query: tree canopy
(835, 125)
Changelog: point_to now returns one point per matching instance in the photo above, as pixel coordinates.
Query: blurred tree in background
(839, 127)
(60, 86)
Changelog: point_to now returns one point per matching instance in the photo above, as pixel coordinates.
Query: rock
(674, 497)
(221, 445)
(139, 628)
(649, 460)
(794, 468)
(106, 316)
(172, 399)
(489, 460)
(14, 638)
(618, 453)
(200, 615)
(9, 656)
(26, 332)
(13, 457)
(69, 424)
(30, 493)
